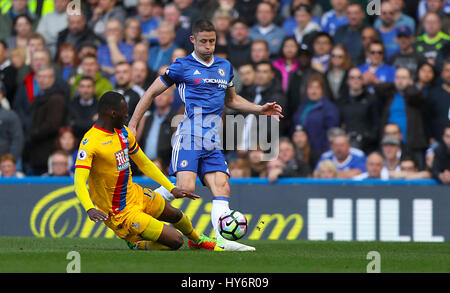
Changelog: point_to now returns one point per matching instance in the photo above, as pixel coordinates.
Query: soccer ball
(232, 225)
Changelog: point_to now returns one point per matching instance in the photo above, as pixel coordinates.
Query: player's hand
(96, 215)
(272, 109)
(180, 193)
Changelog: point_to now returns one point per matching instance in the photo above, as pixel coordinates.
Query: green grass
(47, 255)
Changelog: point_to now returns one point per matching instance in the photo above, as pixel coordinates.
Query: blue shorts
(197, 161)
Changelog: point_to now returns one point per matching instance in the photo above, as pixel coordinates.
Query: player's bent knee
(175, 242)
(171, 238)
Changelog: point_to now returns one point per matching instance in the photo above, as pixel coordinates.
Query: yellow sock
(185, 226)
(150, 245)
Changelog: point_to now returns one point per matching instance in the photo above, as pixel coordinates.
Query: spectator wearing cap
(349, 161)
(441, 162)
(350, 34)
(296, 92)
(407, 57)
(266, 29)
(390, 148)
(404, 104)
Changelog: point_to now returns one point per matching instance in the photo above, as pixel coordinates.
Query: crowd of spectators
(364, 95)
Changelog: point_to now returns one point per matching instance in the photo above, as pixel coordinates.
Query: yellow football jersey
(106, 153)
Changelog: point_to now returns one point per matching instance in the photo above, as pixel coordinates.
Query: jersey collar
(202, 62)
(104, 130)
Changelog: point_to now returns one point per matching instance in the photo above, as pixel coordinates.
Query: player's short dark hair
(202, 25)
(109, 101)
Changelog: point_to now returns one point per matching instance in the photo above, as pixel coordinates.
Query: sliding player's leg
(157, 233)
(181, 222)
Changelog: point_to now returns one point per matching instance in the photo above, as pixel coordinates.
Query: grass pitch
(48, 255)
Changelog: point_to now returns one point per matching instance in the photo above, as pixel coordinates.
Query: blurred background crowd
(365, 91)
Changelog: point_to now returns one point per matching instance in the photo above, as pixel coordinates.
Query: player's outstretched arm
(238, 103)
(157, 87)
(81, 176)
(152, 171)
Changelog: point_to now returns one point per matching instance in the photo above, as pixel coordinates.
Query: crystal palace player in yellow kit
(134, 213)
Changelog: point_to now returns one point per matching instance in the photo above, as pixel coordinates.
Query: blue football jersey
(202, 88)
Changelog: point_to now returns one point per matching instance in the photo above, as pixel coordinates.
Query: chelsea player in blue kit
(204, 83)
